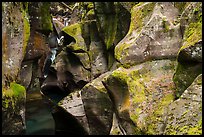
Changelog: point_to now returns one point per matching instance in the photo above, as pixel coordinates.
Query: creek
(39, 120)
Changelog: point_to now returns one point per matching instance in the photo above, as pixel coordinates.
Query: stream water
(39, 120)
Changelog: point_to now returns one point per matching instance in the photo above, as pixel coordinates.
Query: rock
(152, 34)
(41, 27)
(87, 47)
(120, 98)
(13, 109)
(26, 73)
(111, 25)
(142, 94)
(40, 17)
(73, 104)
(190, 54)
(53, 89)
(115, 130)
(185, 114)
(89, 105)
(98, 107)
(15, 35)
(97, 53)
(65, 123)
(184, 75)
(84, 59)
(107, 21)
(75, 31)
(69, 68)
(128, 5)
(37, 46)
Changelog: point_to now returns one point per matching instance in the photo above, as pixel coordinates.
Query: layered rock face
(125, 68)
(15, 34)
(24, 35)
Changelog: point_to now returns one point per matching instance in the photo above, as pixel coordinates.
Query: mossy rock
(147, 93)
(41, 19)
(191, 21)
(190, 54)
(184, 75)
(184, 116)
(75, 31)
(15, 35)
(13, 109)
(15, 92)
(151, 35)
(106, 16)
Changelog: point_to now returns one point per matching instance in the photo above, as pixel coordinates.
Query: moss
(180, 6)
(184, 75)
(110, 27)
(46, 16)
(75, 31)
(193, 32)
(196, 130)
(120, 77)
(158, 114)
(90, 12)
(26, 26)
(18, 90)
(136, 88)
(121, 74)
(165, 25)
(110, 31)
(12, 94)
(120, 49)
(90, 5)
(138, 13)
(188, 129)
(15, 90)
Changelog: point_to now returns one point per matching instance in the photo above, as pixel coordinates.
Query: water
(39, 120)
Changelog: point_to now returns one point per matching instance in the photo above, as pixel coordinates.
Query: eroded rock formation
(130, 68)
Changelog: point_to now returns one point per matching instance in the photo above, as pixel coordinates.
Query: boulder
(90, 105)
(87, 47)
(190, 54)
(141, 94)
(152, 34)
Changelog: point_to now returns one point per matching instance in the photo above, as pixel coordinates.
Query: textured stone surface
(190, 54)
(185, 114)
(143, 91)
(152, 34)
(89, 106)
(15, 34)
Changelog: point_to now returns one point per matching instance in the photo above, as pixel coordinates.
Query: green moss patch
(138, 13)
(13, 94)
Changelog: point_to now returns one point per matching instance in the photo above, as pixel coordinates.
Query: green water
(39, 120)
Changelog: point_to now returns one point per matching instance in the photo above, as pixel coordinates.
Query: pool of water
(39, 120)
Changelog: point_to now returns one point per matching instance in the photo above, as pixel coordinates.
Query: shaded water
(39, 120)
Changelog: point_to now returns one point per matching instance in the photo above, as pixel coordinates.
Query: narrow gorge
(101, 68)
